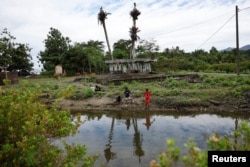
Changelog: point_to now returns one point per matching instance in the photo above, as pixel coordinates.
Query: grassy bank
(215, 88)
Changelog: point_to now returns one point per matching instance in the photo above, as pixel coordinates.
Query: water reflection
(107, 151)
(148, 123)
(235, 135)
(137, 140)
(124, 139)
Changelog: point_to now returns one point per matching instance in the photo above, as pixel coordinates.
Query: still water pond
(126, 141)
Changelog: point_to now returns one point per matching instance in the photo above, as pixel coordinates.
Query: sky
(188, 24)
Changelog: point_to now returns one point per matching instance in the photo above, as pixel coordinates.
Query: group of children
(146, 94)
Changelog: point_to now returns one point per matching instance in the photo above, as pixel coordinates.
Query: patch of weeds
(46, 88)
(183, 83)
(243, 80)
(240, 80)
(57, 94)
(197, 86)
(137, 93)
(124, 85)
(175, 91)
(172, 83)
(210, 82)
(225, 83)
(190, 102)
(99, 94)
(24, 82)
(161, 93)
(247, 80)
(85, 93)
(135, 83)
(111, 95)
(235, 93)
(77, 96)
(111, 86)
(92, 77)
(56, 87)
(88, 92)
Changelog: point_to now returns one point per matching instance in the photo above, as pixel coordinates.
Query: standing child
(147, 96)
(127, 95)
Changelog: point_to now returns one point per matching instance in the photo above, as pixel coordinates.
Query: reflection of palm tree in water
(137, 141)
(107, 151)
(148, 123)
(235, 135)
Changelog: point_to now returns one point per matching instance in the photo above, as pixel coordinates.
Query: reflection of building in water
(148, 123)
(107, 151)
(137, 141)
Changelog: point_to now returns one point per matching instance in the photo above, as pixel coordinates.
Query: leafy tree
(98, 45)
(102, 16)
(55, 47)
(21, 59)
(217, 56)
(74, 60)
(121, 49)
(94, 51)
(147, 49)
(14, 56)
(84, 57)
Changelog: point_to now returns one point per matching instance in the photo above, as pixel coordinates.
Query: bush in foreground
(28, 128)
(198, 158)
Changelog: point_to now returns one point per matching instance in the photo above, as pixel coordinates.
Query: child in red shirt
(147, 96)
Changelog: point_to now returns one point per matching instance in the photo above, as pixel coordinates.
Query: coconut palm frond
(134, 30)
(102, 16)
(135, 13)
(134, 37)
(133, 33)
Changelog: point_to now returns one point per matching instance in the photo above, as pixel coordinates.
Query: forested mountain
(246, 47)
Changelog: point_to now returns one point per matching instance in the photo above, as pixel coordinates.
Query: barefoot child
(147, 96)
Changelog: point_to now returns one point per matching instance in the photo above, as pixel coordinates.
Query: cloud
(184, 23)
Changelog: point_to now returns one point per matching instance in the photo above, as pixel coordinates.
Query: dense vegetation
(90, 56)
(29, 126)
(14, 56)
(28, 129)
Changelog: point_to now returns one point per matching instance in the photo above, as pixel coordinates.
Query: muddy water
(134, 140)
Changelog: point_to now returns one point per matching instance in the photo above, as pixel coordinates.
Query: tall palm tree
(102, 16)
(133, 31)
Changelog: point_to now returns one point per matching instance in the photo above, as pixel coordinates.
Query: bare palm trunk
(133, 43)
(107, 40)
(133, 34)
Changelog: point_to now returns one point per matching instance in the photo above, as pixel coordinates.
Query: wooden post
(237, 41)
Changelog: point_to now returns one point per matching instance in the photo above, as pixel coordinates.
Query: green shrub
(6, 82)
(175, 91)
(197, 157)
(88, 92)
(77, 96)
(26, 130)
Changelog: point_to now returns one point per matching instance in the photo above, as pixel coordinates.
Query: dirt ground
(96, 104)
(105, 103)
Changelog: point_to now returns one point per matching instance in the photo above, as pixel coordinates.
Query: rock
(214, 102)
